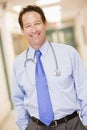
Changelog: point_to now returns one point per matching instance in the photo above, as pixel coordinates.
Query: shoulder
(66, 51)
(64, 48)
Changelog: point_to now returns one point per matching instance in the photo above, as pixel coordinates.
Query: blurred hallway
(72, 30)
(10, 122)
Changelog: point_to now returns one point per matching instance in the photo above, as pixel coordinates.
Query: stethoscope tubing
(56, 63)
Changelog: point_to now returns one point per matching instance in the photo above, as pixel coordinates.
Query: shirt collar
(31, 53)
(44, 48)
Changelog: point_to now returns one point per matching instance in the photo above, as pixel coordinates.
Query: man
(67, 85)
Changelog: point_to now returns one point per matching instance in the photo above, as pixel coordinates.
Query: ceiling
(69, 7)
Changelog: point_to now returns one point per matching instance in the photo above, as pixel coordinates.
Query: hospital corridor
(67, 24)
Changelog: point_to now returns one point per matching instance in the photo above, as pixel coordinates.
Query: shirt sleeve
(80, 79)
(18, 94)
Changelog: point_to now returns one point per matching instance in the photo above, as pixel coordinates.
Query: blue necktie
(44, 104)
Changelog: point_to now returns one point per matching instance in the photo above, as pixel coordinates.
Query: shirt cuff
(84, 120)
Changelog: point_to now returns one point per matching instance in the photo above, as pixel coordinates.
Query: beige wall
(81, 32)
(4, 98)
(7, 43)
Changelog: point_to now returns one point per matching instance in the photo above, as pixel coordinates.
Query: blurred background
(67, 24)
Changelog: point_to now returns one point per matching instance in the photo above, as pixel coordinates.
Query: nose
(33, 29)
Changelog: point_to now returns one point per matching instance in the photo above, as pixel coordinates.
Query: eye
(27, 26)
(37, 23)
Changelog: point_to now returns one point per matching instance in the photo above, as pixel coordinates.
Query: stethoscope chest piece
(57, 73)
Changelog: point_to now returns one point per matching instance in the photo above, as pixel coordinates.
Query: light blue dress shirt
(68, 91)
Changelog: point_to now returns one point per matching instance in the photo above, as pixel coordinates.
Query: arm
(80, 76)
(18, 95)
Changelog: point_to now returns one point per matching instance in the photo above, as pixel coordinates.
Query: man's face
(34, 29)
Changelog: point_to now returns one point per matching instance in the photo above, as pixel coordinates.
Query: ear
(22, 30)
(46, 24)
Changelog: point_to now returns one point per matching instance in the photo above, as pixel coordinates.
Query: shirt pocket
(64, 79)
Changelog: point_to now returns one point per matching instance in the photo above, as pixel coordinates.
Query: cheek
(26, 32)
(43, 30)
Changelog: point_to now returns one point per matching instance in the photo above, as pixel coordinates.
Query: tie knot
(37, 54)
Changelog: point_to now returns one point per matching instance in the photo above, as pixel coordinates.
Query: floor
(10, 122)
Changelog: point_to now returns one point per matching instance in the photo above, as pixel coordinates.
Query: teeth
(35, 35)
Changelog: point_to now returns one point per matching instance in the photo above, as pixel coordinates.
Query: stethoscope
(57, 71)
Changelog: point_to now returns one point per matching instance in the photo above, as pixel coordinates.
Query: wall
(81, 32)
(4, 98)
(7, 57)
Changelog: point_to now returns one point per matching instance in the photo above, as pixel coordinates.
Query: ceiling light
(17, 8)
(53, 14)
(44, 2)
